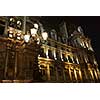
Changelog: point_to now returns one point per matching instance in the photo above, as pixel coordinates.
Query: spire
(63, 29)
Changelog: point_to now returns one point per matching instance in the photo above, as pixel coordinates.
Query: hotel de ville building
(31, 53)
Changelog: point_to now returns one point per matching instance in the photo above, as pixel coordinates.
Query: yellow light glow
(10, 35)
(18, 38)
(11, 19)
(11, 30)
(47, 53)
(87, 45)
(54, 53)
(80, 74)
(77, 60)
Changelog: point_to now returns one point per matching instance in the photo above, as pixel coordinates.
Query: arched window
(64, 58)
(70, 60)
(58, 55)
(42, 54)
(53, 34)
(75, 61)
(50, 54)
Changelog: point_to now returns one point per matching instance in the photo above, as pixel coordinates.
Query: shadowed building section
(29, 54)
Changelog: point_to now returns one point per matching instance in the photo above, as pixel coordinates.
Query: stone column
(92, 74)
(80, 74)
(54, 54)
(48, 71)
(96, 74)
(77, 60)
(47, 52)
(75, 74)
(61, 55)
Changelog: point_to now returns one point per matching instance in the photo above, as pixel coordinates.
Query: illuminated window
(67, 58)
(70, 60)
(74, 59)
(64, 57)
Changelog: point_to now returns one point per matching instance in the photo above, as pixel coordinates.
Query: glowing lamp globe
(27, 38)
(36, 26)
(33, 31)
(45, 35)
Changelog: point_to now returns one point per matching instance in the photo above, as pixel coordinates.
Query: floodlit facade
(60, 57)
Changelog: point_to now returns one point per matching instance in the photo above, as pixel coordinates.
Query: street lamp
(33, 31)
(45, 35)
(26, 38)
(30, 39)
(36, 26)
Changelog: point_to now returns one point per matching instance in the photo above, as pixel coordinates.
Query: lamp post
(37, 39)
(20, 41)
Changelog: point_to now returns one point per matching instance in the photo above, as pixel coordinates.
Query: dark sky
(90, 25)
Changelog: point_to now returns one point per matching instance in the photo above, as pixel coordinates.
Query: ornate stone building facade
(61, 58)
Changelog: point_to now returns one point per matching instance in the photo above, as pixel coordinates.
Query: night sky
(90, 25)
